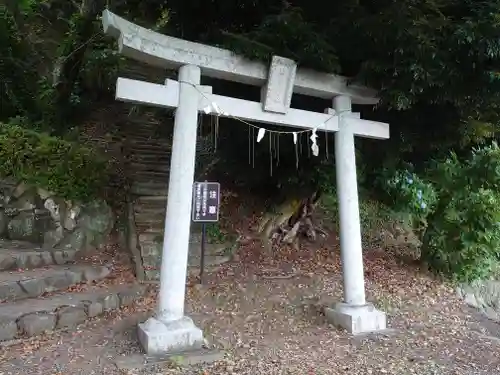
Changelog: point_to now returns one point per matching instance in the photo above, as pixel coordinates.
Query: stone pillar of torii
(170, 330)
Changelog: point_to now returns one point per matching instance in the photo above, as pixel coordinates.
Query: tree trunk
(291, 222)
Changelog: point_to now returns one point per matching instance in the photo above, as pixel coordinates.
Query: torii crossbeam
(170, 330)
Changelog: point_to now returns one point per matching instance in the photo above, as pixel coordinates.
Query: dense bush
(64, 168)
(463, 235)
(373, 215)
(407, 193)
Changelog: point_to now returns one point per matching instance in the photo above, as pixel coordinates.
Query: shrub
(463, 235)
(64, 168)
(405, 192)
(373, 215)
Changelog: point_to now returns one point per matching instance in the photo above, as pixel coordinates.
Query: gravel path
(267, 315)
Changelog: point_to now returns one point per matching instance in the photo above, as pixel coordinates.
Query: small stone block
(357, 319)
(152, 275)
(33, 287)
(128, 297)
(95, 273)
(36, 324)
(46, 259)
(70, 317)
(59, 257)
(33, 261)
(93, 309)
(111, 302)
(8, 329)
(10, 290)
(161, 338)
(7, 261)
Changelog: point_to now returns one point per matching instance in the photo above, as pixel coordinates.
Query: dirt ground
(266, 314)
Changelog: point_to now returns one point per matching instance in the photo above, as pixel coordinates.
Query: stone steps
(145, 149)
(148, 154)
(153, 176)
(30, 284)
(155, 167)
(149, 188)
(150, 227)
(32, 317)
(157, 208)
(156, 236)
(145, 217)
(145, 176)
(145, 136)
(24, 255)
(152, 200)
(159, 160)
(153, 210)
(149, 159)
(149, 147)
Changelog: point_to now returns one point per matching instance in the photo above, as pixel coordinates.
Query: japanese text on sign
(206, 201)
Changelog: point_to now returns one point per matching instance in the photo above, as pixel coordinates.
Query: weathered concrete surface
(63, 311)
(24, 255)
(28, 284)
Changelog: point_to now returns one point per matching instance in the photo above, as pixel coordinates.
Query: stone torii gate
(170, 330)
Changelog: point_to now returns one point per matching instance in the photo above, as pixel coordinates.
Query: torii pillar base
(357, 319)
(159, 338)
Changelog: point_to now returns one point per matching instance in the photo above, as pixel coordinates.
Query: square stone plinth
(160, 338)
(357, 319)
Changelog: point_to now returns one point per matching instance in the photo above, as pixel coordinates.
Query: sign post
(206, 208)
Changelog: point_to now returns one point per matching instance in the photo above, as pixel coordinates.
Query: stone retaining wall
(35, 215)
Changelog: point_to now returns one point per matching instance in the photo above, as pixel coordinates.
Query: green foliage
(321, 174)
(215, 233)
(373, 214)
(65, 168)
(443, 51)
(287, 34)
(463, 235)
(100, 68)
(406, 192)
(18, 80)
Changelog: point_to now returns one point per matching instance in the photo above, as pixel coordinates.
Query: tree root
(289, 224)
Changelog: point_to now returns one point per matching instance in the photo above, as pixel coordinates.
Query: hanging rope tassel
(296, 151)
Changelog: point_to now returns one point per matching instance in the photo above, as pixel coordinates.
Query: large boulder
(96, 221)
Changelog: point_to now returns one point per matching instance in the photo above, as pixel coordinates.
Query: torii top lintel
(167, 52)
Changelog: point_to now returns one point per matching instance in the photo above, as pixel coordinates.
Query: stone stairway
(33, 290)
(148, 165)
